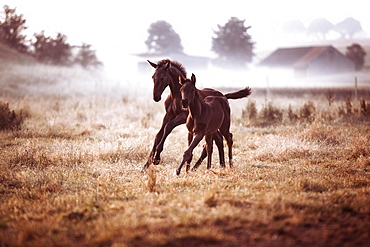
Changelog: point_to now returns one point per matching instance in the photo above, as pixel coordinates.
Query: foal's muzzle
(184, 103)
(156, 97)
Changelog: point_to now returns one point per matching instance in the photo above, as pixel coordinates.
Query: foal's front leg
(178, 120)
(209, 146)
(157, 139)
(190, 139)
(230, 146)
(189, 152)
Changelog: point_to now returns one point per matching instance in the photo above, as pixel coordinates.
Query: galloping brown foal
(167, 74)
(206, 117)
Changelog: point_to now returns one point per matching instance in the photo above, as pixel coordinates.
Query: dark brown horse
(206, 117)
(167, 74)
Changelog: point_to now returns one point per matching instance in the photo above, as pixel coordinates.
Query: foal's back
(219, 109)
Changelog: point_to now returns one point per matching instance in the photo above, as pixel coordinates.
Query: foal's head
(163, 76)
(187, 90)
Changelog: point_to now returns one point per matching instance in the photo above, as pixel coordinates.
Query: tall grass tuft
(307, 112)
(365, 108)
(270, 115)
(152, 179)
(293, 117)
(251, 111)
(9, 119)
(330, 97)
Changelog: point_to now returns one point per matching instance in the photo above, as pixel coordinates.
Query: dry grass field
(70, 170)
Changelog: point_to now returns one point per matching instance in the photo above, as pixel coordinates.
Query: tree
(11, 29)
(52, 50)
(294, 26)
(348, 27)
(233, 43)
(163, 38)
(86, 57)
(321, 27)
(357, 54)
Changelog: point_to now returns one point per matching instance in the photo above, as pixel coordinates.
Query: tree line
(234, 46)
(232, 42)
(45, 49)
(320, 27)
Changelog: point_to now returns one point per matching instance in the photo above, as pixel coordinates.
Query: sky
(120, 27)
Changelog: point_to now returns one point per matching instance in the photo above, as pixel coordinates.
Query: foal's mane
(175, 64)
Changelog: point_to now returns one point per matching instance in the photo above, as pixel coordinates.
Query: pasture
(71, 175)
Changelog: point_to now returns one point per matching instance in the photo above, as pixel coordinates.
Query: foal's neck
(175, 85)
(196, 105)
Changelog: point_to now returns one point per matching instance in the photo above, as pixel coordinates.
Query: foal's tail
(239, 94)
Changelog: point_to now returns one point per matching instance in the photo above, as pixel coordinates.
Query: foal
(167, 75)
(206, 117)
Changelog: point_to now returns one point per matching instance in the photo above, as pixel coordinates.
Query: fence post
(356, 95)
(268, 88)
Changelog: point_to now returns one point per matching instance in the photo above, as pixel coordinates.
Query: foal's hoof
(156, 161)
(187, 168)
(231, 163)
(176, 173)
(143, 170)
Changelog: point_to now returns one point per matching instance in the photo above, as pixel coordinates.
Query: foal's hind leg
(220, 145)
(230, 146)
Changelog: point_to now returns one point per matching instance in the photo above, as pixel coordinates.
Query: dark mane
(175, 64)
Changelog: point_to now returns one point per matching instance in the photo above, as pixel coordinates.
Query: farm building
(310, 61)
(191, 63)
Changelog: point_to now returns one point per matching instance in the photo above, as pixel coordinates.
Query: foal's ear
(168, 65)
(152, 64)
(181, 80)
(193, 78)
